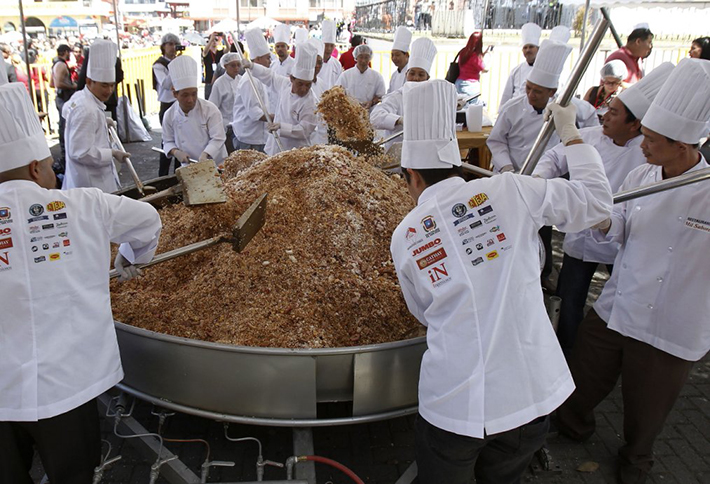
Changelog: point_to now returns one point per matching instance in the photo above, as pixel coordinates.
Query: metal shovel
(247, 226)
(142, 189)
(369, 147)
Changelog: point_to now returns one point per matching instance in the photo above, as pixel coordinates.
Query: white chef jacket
(658, 292)
(247, 113)
(468, 265)
(283, 68)
(385, 115)
(320, 134)
(223, 91)
(515, 86)
(330, 72)
(362, 86)
(618, 161)
(165, 84)
(199, 130)
(517, 127)
(89, 162)
(398, 79)
(58, 343)
(295, 114)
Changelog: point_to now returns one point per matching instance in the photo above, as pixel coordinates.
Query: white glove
(120, 156)
(204, 156)
(126, 270)
(247, 64)
(110, 123)
(603, 225)
(181, 156)
(564, 118)
(507, 168)
(272, 127)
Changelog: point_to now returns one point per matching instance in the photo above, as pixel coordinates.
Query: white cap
(21, 136)
(530, 34)
(549, 63)
(560, 34)
(318, 45)
(639, 96)
(430, 141)
(422, 54)
(642, 25)
(3, 71)
(614, 68)
(328, 32)
(681, 110)
(183, 72)
(227, 58)
(282, 33)
(402, 38)
(301, 35)
(305, 67)
(102, 61)
(256, 43)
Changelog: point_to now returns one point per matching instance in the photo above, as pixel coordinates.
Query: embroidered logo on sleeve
(698, 224)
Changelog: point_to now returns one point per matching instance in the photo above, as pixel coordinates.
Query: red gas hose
(337, 465)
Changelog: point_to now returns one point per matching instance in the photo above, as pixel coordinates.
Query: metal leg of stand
(303, 445)
(408, 475)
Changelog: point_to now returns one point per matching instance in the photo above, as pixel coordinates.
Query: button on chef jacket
(362, 86)
(398, 79)
(618, 162)
(199, 130)
(222, 96)
(295, 114)
(247, 112)
(385, 115)
(468, 265)
(58, 343)
(330, 72)
(658, 291)
(165, 83)
(518, 124)
(89, 162)
(515, 85)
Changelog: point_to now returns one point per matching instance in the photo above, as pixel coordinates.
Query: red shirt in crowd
(346, 59)
(633, 64)
(471, 70)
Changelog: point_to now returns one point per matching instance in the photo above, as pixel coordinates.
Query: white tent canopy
(263, 23)
(226, 25)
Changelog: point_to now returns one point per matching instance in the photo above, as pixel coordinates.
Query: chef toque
(642, 25)
(21, 136)
(402, 38)
(301, 35)
(639, 96)
(614, 68)
(3, 72)
(318, 45)
(282, 33)
(530, 33)
(256, 43)
(430, 140)
(305, 67)
(681, 110)
(328, 32)
(183, 72)
(549, 63)
(227, 58)
(560, 34)
(422, 54)
(102, 61)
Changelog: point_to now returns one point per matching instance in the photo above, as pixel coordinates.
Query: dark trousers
(573, 287)
(445, 457)
(164, 167)
(651, 382)
(546, 236)
(69, 446)
(59, 102)
(229, 143)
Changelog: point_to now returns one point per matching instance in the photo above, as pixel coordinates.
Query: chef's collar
(448, 184)
(95, 99)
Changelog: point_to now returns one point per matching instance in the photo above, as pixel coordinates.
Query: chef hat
(402, 38)
(560, 34)
(282, 33)
(227, 58)
(530, 33)
(183, 72)
(256, 43)
(21, 136)
(681, 110)
(642, 25)
(549, 64)
(318, 45)
(430, 141)
(422, 54)
(305, 62)
(638, 97)
(362, 49)
(301, 35)
(102, 61)
(328, 32)
(615, 68)
(3, 71)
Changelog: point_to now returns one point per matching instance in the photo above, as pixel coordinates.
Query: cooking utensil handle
(158, 150)
(117, 141)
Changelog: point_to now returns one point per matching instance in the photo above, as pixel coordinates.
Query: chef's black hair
(640, 33)
(432, 176)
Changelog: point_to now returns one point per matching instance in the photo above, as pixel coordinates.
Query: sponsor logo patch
(37, 219)
(485, 210)
(469, 251)
(477, 261)
(492, 255)
(475, 224)
(432, 258)
(411, 232)
(34, 229)
(489, 219)
(479, 246)
(501, 237)
(477, 200)
(438, 274)
(5, 261)
(698, 224)
(428, 223)
(6, 231)
(40, 259)
(66, 242)
(489, 242)
(35, 239)
(463, 219)
(432, 233)
(56, 205)
(54, 256)
(36, 209)
(60, 216)
(459, 210)
(6, 243)
(62, 225)
(427, 246)
(495, 228)
(47, 226)
(5, 213)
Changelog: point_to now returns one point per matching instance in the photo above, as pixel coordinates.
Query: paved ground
(380, 452)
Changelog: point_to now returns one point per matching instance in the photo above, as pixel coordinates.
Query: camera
(179, 48)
